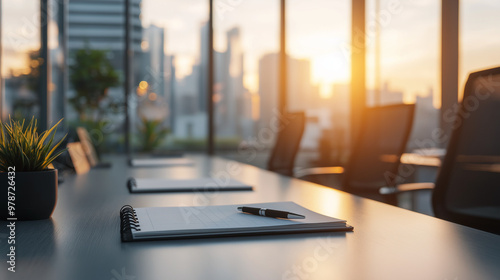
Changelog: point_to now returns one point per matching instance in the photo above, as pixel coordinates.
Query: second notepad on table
(208, 184)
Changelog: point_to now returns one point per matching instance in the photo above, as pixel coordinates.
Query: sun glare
(325, 90)
(329, 68)
(183, 66)
(251, 82)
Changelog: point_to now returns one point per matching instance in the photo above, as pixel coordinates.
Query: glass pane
(96, 53)
(57, 84)
(479, 40)
(403, 61)
(246, 46)
(20, 58)
(170, 73)
(318, 38)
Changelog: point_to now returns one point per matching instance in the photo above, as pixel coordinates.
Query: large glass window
(169, 40)
(20, 62)
(479, 40)
(403, 61)
(95, 97)
(170, 90)
(57, 71)
(318, 48)
(246, 47)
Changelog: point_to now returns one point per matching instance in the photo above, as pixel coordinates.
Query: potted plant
(29, 187)
(152, 133)
(92, 74)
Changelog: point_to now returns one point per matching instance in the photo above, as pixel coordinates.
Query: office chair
(375, 157)
(287, 144)
(467, 190)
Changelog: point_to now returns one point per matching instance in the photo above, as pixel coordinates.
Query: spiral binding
(128, 221)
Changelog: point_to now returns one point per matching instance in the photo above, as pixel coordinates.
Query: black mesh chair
(467, 190)
(375, 157)
(287, 144)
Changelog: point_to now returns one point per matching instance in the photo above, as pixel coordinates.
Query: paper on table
(140, 162)
(158, 221)
(199, 184)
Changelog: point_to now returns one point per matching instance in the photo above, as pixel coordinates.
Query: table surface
(82, 240)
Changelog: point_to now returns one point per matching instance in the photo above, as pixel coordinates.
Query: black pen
(270, 213)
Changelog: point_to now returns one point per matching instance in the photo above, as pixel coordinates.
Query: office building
(153, 59)
(101, 25)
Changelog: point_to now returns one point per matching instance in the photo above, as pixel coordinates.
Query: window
(403, 60)
(170, 90)
(95, 98)
(20, 62)
(479, 41)
(246, 46)
(318, 46)
(57, 78)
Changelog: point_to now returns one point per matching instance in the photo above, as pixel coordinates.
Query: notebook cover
(132, 182)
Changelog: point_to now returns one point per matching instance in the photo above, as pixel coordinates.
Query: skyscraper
(100, 24)
(153, 62)
(301, 93)
(171, 92)
(268, 88)
(426, 121)
(203, 83)
(227, 119)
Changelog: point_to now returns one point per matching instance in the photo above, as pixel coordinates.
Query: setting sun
(330, 68)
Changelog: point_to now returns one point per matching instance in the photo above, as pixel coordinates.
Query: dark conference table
(82, 239)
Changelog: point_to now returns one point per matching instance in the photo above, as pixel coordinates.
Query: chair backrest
(376, 154)
(468, 186)
(287, 144)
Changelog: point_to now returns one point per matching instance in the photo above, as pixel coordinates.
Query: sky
(20, 32)
(318, 30)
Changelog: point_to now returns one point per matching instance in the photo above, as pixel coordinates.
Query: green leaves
(23, 147)
(152, 134)
(92, 73)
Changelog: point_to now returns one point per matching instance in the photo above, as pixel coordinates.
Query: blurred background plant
(92, 74)
(152, 122)
(152, 133)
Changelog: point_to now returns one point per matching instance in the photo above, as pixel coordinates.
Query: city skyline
(186, 94)
(22, 19)
(170, 44)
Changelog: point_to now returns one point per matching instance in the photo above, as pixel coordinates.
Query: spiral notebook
(207, 184)
(159, 162)
(219, 221)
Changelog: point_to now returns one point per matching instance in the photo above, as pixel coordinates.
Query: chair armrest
(411, 187)
(301, 173)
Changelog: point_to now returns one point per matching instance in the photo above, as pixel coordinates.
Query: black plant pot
(35, 194)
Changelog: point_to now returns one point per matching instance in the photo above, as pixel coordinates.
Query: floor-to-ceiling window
(169, 41)
(246, 49)
(403, 61)
(57, 85)
(169, 94)
(318, 46)
(479, 40)
(20, 62)
(95, 98)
